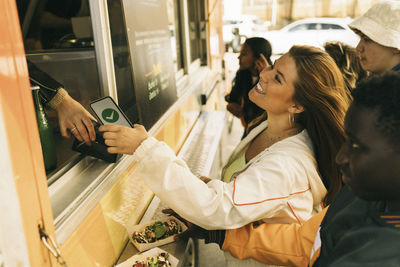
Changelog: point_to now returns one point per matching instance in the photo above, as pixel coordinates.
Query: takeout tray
(150, 253)
(145, 246)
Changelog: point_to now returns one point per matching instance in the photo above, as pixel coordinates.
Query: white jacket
(279, 185)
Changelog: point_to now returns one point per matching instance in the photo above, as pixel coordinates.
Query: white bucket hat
(381, 23)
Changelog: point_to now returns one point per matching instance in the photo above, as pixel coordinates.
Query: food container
(141, 228)
(148, 254)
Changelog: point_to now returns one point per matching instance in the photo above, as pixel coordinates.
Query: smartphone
(108, 112)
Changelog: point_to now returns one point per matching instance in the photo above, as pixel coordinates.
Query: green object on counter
(45, 132)
(159, 229)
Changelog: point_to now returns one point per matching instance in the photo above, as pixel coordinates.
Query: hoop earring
(340, 47)
(291, 119)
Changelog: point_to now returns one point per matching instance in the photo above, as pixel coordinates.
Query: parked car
(236, 30)
(311, 31)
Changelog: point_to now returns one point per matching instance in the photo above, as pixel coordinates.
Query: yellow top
(236, 165)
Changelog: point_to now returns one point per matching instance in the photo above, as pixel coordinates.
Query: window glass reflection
(193, 15)
(122, 61)
(58, 39)
(174, 26)
(54, 24)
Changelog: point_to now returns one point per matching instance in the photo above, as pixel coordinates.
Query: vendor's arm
(278, 244)
(48, 86)
(71, 114)
(259, 192)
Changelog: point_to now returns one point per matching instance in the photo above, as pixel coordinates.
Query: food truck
(160, 61)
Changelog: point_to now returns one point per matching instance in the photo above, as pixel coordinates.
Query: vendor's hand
(123, 140)
(261, 63)
(74, 118)
(235, 108)
(193, 230)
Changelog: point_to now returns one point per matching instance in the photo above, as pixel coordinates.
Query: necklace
(280, 137)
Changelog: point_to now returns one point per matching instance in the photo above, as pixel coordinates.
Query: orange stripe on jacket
(268, 199)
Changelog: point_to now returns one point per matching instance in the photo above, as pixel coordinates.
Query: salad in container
(155, 233)
(154, 257)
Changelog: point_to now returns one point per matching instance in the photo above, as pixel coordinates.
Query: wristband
(57, 99)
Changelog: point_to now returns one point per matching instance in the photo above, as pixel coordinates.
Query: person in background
(348, 62)
(281, 169)
(56, 21)
(246, 77)
(72, 116)
(362, 225)
(379, 30)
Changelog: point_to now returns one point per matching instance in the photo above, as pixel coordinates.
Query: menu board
(151, 56)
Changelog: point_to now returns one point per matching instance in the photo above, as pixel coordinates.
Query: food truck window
(175, 26)
(122, 63)
(58, 39)
(194, 16)
(139, 45)
(151, 58)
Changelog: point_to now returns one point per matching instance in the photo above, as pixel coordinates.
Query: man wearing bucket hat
(379, 31)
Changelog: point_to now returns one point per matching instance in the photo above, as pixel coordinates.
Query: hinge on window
(52, 246)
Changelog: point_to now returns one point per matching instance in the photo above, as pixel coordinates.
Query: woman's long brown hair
(321, 90)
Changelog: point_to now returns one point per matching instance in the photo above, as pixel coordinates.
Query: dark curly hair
(382, 93)
(259, 46)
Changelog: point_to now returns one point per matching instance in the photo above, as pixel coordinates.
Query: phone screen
(108, 112)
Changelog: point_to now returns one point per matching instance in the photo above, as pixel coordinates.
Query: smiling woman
(274, 92)
(314, 98)
(280, 172)
(303, 115)
(362, 224)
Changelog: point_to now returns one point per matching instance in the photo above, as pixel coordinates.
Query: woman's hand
(74, 118)
(261, 63)
(123, 140)
(192, 231)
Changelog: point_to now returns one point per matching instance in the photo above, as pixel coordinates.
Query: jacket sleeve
(259, 192)
(366, 246)
(48, 86)
(277, 244)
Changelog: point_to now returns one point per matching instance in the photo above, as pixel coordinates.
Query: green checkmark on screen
(110, 115)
